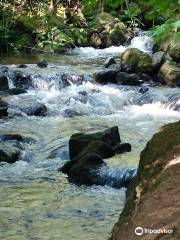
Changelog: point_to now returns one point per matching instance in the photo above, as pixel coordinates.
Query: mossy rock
(174, 52)
(103, 18)
(118, 35)
(169, 74)
(140, 61)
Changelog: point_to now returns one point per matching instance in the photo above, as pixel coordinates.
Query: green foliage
(171, 26)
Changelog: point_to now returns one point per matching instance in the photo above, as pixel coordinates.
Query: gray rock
(105, 76)
(10, 152)
(109, 61)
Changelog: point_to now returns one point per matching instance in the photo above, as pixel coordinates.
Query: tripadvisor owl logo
(139, 231)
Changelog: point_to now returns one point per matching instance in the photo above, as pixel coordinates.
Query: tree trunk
(53, 7)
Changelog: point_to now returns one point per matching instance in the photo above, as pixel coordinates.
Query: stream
(37, 201)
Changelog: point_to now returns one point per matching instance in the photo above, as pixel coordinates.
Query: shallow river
(36, 201)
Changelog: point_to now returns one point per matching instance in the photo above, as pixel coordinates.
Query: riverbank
(152, 201)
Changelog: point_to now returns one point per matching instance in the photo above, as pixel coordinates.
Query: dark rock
(143, 89)
(8, 137)
(3, 109)
(3, 112)
(37, 110)
(9, 152)
(21, 80)
(105, 76)
(79, 141)
(15, 91)
(126, 67)
(22, 66)
(3, 82)
(123, 147)
(145, 77)
(42, 64)
(109, 61)
(87, 152)
(81, 171)
(128, 79)
(70, 113)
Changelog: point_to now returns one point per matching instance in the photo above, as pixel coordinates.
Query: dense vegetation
(59, 24)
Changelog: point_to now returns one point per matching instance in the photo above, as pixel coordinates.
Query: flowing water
(36, 201)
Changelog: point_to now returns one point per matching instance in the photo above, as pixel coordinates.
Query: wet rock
(105, 76)
(22, 66)
(15, 91)
(169, 74)
(9, 137)
(21, 80)
(3, 112)
(36, 110)
(3, 109)
(140, 61)
(9, 151)
(70, 113)
(87, 152)
(42, 64)
(3, 82)
(145, 77)
(79, 141)
(157, 60)
(154, 192)
(128, 79)
(109, 61)
(123, 147)
(143, 89)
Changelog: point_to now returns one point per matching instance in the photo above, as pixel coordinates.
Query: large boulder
(3, 82)
(87, 152)
(169, 74)
(140, 61)
(153, 198)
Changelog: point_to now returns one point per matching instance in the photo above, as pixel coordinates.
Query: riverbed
(37, 201)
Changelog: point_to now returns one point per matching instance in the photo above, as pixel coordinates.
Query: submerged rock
(70, 113)
(21, 80)
(153, 199)
(87, 152)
